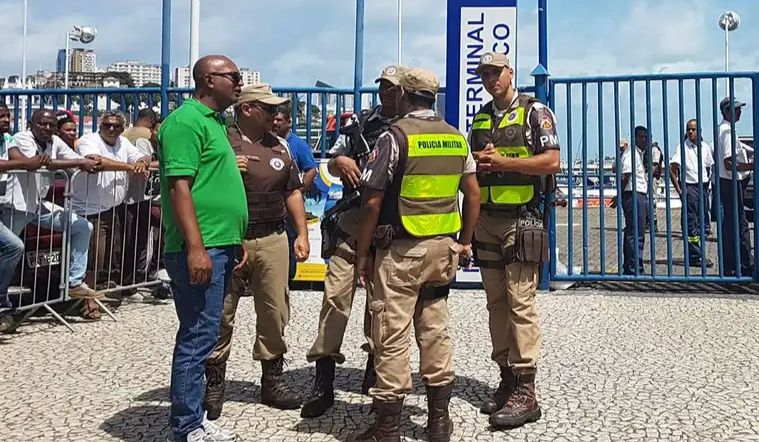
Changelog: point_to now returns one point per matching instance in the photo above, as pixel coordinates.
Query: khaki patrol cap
(494, 59)
(392, 74)
(261, 93)
(420, 80)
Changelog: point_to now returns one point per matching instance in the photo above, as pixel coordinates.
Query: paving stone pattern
(614, 367)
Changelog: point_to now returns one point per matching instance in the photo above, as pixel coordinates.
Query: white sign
(474, 28)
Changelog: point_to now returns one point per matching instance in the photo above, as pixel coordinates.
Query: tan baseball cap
(494, 59)
(420, 80)
(261, 93)
(392, 74)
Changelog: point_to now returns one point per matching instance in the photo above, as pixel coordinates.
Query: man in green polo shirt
(205, 219)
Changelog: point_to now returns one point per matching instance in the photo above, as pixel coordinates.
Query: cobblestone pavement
(615, 367)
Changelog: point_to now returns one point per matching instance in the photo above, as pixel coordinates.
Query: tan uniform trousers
(514, 328)
(265, 275)
(399, 273)
(339, 292)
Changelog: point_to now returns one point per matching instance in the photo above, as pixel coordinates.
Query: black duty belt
(260, 230)
(512, 212)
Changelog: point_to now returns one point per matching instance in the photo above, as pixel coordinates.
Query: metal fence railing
(592, 238)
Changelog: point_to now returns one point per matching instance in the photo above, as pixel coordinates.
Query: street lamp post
(83, 34)
(729, 21)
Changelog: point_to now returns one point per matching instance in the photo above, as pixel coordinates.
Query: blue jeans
(631, 243)
(11, 250)
(199, 310)
(54, 219)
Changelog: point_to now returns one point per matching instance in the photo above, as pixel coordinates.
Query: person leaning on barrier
(273, 189)
(349, 156)
(205, 216)
(694, 189)
(11, 246)
(733, 203)
(135, 212)
(516, 146)
(67, 130)
(28, 192)
(98, 197)
(411, 214)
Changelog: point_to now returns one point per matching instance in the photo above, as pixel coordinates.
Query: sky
(297, 42)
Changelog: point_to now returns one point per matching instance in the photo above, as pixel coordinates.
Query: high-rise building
(80, 60)
(183, 76)
(141, 73)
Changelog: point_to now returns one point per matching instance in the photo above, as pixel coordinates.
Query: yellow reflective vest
(422, 200)
(508, 136)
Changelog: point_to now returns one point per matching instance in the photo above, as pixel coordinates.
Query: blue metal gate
(595, 114)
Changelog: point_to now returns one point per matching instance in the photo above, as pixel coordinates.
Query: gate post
(358, 67)
(541, 93)
(165, 56)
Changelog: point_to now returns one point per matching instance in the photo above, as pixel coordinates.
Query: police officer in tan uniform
(272, 185)
(515, 144)
(412, 216)
(349, 156)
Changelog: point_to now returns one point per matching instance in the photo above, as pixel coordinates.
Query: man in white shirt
(28, 193)
(695, 173)
(634, 206)
(96, 197)
(135, 213)
(11, 246)
(733, 205)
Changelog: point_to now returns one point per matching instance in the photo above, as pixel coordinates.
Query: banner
(475, 27)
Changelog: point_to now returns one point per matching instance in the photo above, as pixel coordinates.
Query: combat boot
(522, 407)
(215, 384)
(274, 391)
(439, 423)
(370, 375)
(386, 424)
(324, 397)
(505, 389)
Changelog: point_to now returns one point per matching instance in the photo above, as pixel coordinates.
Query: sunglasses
(234, 77)
(268, 108)
(111, 126)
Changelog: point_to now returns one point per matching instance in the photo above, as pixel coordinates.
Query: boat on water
(594, 182)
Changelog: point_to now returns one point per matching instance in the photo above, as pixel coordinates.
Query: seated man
(26, 193)
(96, 197)
(11, 246)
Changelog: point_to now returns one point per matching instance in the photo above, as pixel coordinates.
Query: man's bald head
(210, 64)
(217, 81)
(40, 114)
(43, 124)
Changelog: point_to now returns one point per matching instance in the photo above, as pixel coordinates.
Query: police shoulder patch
(277, 163)
(545, 122)
(372, 155)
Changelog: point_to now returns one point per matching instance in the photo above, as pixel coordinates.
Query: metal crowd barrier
(41, 276)
(595, 114)
(129, 254)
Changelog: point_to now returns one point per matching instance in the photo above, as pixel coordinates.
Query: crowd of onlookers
(113, 223)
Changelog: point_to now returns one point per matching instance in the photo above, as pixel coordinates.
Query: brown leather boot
(502, 394)
(522, 407)
(214, 398)
(274, 391)
(370, 375)
(324, 390)
(439, 423)
(385, 428)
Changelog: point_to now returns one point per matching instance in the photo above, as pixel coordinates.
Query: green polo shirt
(193, 143)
